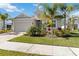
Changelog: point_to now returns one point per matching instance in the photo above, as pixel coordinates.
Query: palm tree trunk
(53, 32)
(73, 25)
(65, 21)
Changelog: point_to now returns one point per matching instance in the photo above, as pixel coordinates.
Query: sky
(16, 8)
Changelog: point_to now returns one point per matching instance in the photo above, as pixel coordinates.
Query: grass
(35, 40)
(15, 53)
(71, 41)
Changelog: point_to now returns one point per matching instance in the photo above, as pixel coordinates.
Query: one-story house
(23, 22)
(60, 22)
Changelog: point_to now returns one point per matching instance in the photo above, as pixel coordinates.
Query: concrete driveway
(8, 36)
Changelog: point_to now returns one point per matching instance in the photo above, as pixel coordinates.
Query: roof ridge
(21, 15)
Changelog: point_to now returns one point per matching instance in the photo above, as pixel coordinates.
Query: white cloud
(35, 5)
(9, 8)
(22, 9)
(40, 7)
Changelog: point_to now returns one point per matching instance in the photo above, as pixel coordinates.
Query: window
(9, 27)
(38, 22)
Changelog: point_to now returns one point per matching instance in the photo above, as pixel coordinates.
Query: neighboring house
(1, 24)
(60, 22)
(22, 23)
(76, 23)
(8, 24)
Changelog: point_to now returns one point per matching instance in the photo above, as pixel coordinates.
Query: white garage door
(22, 26)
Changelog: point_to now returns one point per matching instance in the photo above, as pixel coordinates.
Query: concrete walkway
(27, 48)
(40, 49)
(35, 48)
(8, 36)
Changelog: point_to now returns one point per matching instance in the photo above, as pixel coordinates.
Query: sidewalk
(40, 49)
(27, 48)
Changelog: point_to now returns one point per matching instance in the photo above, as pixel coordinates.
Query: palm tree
(48, 12)
(66, 9)
(4, 17)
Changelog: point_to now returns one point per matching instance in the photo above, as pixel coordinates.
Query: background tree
(4, 17)
(66, 9)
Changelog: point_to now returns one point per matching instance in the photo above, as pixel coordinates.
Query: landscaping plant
(37, 31)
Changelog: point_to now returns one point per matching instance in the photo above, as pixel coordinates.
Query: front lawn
(15, 53)
(71, 41)
(36, 40)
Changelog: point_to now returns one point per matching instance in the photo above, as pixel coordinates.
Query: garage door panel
(22, 26)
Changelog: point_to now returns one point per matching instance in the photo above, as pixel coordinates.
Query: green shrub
(4, 31)
(36, 31)
(43, 32)
(61, 33)
(65, 31)
(57, 32)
